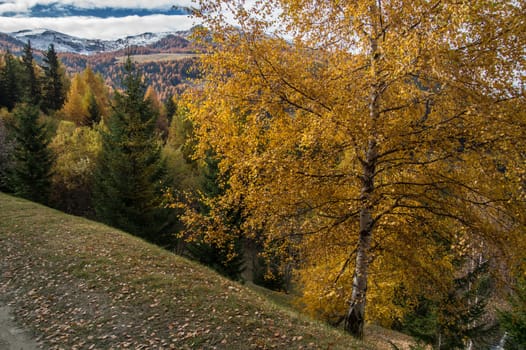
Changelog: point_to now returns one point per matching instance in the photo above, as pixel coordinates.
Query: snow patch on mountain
(42, 38)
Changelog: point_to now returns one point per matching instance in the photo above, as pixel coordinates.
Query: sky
(96, 19)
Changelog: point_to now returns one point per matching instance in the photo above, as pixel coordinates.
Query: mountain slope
(167, 76)
(80, 284)
(42, 38)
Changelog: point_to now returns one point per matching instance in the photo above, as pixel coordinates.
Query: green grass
(78, 284)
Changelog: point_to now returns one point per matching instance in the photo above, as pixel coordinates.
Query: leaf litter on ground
(78, 284)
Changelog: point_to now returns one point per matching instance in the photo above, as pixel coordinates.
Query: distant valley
(166, 59)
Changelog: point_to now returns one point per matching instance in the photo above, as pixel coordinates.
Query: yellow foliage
(391, 129)
(83, 85)
(76, 150)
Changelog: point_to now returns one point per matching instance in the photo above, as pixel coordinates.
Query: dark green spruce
(31, 174)
(459, 317)
(32, 93)
(10, 82)
(94, 113)
(54, 92)
(131, 173)
(513, 320)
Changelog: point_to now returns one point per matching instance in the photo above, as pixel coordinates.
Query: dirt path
(13, 337)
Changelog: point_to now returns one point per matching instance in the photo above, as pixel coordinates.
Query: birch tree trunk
(355, 318)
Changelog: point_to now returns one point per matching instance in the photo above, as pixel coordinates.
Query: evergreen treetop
(131, 172)
(31, 176)
(53, 81)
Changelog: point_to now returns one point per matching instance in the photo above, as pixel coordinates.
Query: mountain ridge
(64, 43)
(168, 76)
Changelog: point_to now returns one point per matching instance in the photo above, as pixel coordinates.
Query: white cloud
(100, 28)
(21, 6)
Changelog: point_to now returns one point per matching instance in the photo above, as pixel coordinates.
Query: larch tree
(87, 101)
(375, 138)
(98, 89)
(74, 109)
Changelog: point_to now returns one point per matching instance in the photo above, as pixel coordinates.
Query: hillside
(80, 284)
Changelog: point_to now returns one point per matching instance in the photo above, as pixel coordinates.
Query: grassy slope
(80, 284)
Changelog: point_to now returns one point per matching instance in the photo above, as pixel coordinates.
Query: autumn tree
(98, 90)
(73, 109)
(87, 101)
(363, 135)
(130, 173)
(77, 150)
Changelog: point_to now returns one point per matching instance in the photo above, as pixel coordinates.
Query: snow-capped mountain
(42, 38)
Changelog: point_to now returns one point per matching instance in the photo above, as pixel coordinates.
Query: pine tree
(31, 175)
(32, 86)
(53, 82)
(131, 173)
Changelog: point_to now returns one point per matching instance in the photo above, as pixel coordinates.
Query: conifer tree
(6, 159)
(514, 320)
(170, 107)
(31, 175)
(130, 174)
(10, 88)
(32, 86)
(53, 82)
(459, 316)
(94, 113)
(225, 256)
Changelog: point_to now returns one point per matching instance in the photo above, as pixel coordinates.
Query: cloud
(21, 7)
(100, 28)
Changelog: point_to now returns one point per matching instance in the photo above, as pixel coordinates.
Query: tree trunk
(355, 318)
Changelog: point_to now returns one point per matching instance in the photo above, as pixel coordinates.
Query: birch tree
(374, 137)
